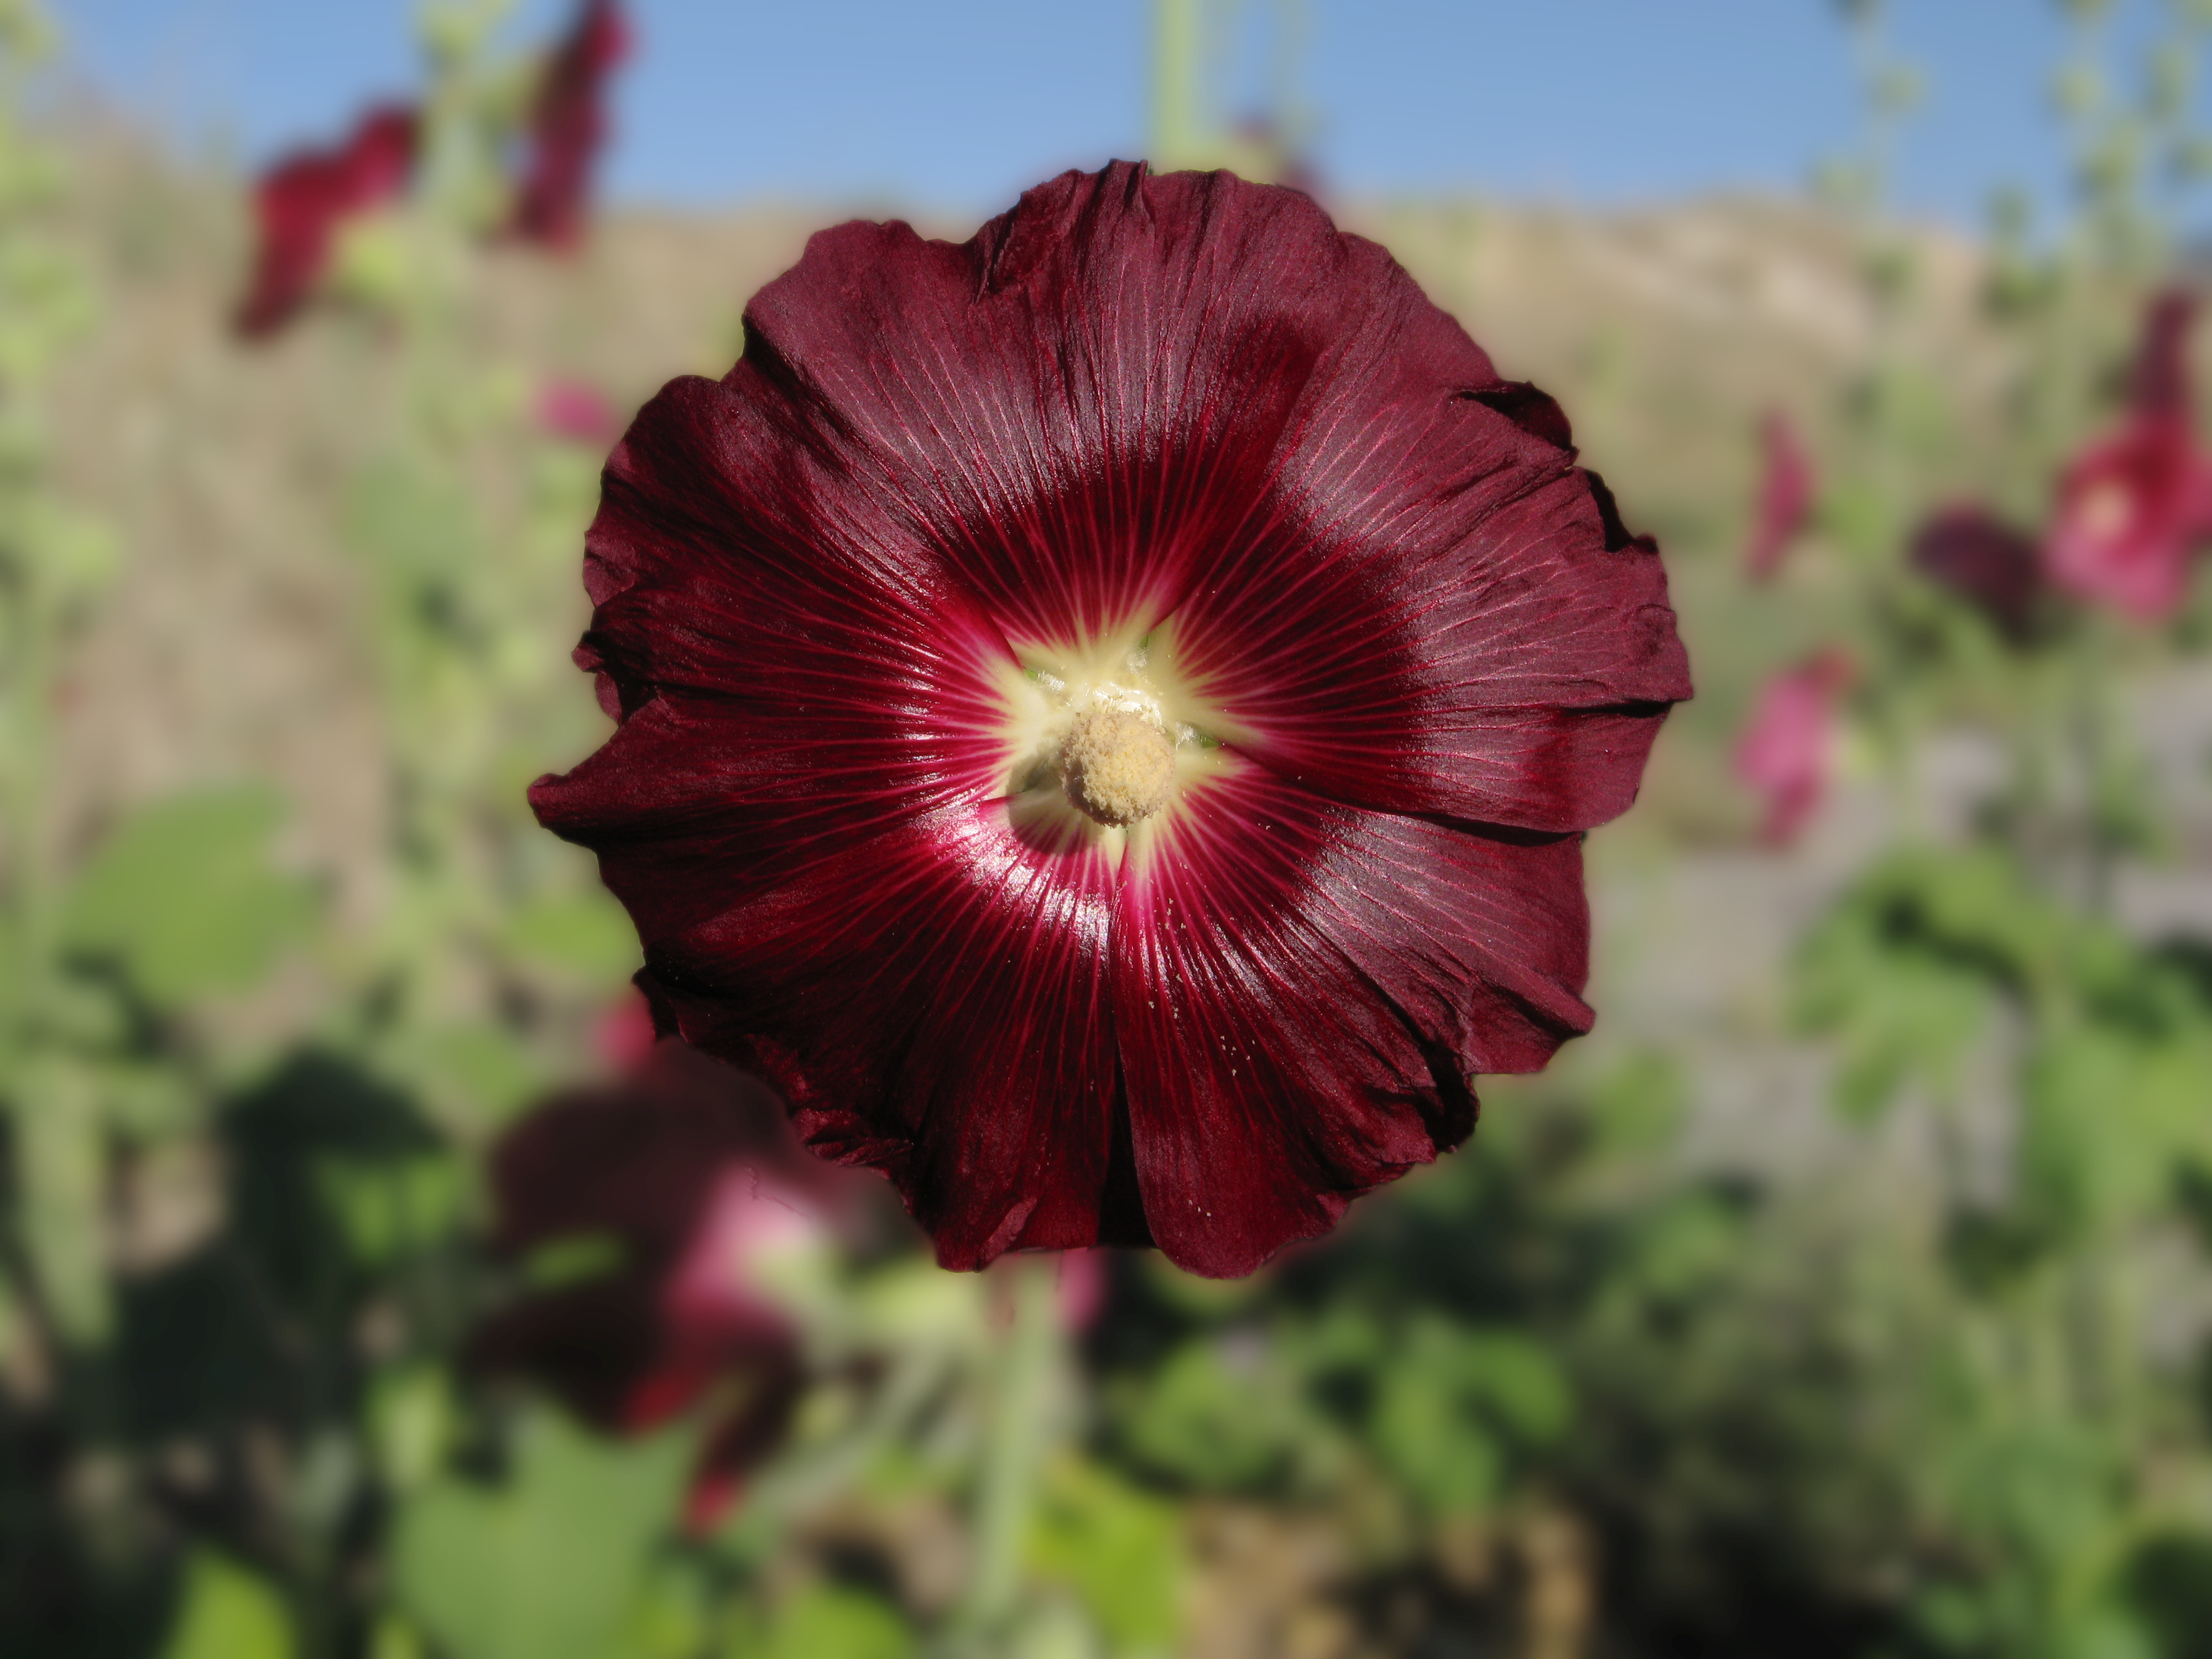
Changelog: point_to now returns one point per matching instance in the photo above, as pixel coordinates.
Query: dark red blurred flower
(2158, 379)
(1788, 749)
(302, 200)
(1786, 496)
(577, 412)
(568, 124)
(1108, 712)
(689, 1175)
(2135, 505)
(1984, 560)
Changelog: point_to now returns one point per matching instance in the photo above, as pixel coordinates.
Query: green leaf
(829, 1621)
(1520, 1386)
(60, 1150)
(391, 1209)
(550, 1563)
(2111, 1119)
(227, 1612)
(410, 523)
(181, 896)
(1216, 1415)
(1434, 1445)
(1453, 1407)
(586, 935)
(1119, 1550)
(476, 1074)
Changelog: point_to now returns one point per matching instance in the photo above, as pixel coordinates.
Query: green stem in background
(45, 571)
(1014, 1450)
(26, 669)
(1179, 125)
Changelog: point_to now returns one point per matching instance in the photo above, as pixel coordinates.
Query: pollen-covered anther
(1117, 766)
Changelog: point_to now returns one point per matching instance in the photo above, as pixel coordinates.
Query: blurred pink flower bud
(623, 1036)
(1082, 1289)
(580, 413)
(1787, 752)
(1785, 496)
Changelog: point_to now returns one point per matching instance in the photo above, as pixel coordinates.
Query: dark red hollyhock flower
(1984, 560)
(2134, 506)
(1787, 750)
(1786, 496)
(682, 1174)
(568, 124)
(1108, 713)
(302, 200)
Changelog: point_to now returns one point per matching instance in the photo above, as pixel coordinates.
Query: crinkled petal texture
(1180, 408)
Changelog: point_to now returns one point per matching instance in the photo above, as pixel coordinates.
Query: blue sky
(957, 104)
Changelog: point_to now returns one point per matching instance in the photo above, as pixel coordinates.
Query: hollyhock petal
(1063, 408)
(789, 703)
(1517, 678)
(1358, 536)
(933, 1003)
(1302, 991)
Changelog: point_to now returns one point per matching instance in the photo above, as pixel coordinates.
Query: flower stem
(1014, 1448)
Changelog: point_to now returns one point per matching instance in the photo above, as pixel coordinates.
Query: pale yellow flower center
(1105, 739)
(2107, 510)
(1117, 765)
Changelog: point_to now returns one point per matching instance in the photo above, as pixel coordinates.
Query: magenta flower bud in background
(1787, 752)
(1785, 496)
(579, 413)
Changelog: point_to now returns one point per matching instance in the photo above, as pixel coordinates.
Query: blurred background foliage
(370, 1284)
